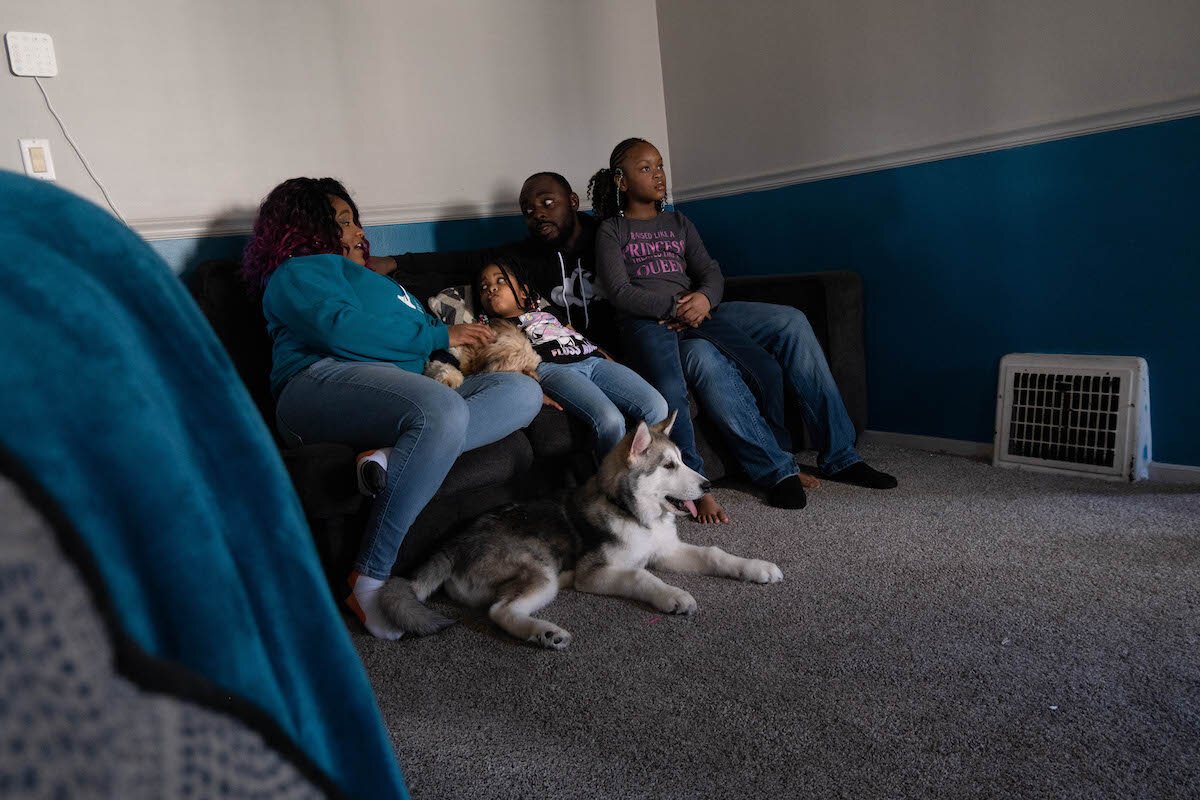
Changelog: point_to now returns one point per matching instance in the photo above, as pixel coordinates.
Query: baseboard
(1164, 473)
(935, 444)
(1174, 473)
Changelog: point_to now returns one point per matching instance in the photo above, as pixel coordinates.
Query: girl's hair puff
(295, 219)
(602, 189)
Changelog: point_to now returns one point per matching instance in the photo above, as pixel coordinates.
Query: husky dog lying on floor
(511, 352)
(600, 540)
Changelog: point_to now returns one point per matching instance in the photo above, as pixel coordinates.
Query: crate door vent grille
(1073, 413)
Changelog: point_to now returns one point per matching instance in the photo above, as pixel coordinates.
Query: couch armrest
(324, 477)
(833, 303)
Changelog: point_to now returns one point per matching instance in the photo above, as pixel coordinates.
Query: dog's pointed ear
(640, 441)
(665, 426)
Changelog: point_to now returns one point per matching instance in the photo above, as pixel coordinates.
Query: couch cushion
(454, 305)
(324, 478)
(833, 303)
(554, 434)
(479, 481)
(804, 292)
(489, 465)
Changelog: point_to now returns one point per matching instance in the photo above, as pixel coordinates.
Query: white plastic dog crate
(1078, 414)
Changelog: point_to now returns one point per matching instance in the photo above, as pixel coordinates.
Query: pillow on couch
(455, 305)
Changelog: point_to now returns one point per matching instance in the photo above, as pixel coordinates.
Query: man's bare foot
(808, 481)
(709, 511)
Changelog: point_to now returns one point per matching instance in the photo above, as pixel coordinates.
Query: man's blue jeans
(371, 405)
(673, 361)
(603, 394)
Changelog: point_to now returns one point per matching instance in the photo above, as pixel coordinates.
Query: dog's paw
(677, 601)
(550, 636)
(444, 373)
(757, 571)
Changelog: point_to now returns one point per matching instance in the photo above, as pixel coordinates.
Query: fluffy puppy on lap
(510, 352)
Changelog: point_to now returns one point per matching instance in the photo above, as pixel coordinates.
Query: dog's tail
(432, 574)
(402, 601)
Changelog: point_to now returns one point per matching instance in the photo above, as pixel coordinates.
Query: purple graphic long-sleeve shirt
(644, 266)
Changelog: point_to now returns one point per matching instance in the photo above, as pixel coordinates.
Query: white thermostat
(35, 155)
(31, 55)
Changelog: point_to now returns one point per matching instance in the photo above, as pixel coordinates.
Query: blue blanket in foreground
(123, 405)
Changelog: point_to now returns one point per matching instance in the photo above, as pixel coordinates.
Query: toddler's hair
(509, 269)
(602, 189)
(295, 219)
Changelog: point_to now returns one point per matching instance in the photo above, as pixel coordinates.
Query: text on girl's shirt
(551, 338)
(654, 253)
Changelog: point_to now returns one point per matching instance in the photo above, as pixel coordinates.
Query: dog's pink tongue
(691, 507)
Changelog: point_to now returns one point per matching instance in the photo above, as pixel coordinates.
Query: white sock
(364, 602)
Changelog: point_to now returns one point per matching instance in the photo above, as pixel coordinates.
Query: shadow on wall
(183, 255)
(479, 233)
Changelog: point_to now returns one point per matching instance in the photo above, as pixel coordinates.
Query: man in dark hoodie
(558, 258)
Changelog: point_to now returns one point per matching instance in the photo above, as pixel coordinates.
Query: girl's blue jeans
(673, 361)
(369, 405)
(603, 394)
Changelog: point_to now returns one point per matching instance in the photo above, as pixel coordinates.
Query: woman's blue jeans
(673, 361)
(371, 405)
(603, 394)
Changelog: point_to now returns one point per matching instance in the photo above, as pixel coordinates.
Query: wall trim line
(1163, 473)
(1034, 134)
(241, 222)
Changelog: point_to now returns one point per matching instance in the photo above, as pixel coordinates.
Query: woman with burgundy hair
(350, 346)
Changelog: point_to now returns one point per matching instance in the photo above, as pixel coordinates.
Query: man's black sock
(788, 493)
(862, 474)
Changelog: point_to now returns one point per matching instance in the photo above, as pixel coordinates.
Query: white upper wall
(190, 112)
(762, 93)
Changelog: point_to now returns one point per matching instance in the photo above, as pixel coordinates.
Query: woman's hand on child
(547, 400)
(472, 334)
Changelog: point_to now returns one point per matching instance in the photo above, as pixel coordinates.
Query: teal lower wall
(1087, 245)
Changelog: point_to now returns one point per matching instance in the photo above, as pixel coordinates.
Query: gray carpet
(975, 633)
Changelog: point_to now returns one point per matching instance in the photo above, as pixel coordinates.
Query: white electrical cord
(86, 165)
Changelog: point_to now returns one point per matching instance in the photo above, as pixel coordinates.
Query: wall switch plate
(31, 54)
(35, 154)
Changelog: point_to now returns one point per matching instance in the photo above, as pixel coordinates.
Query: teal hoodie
(327, 306)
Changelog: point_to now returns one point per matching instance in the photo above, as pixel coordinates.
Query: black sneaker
(372, 472)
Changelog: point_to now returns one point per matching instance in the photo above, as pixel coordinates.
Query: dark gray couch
(554, 449)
